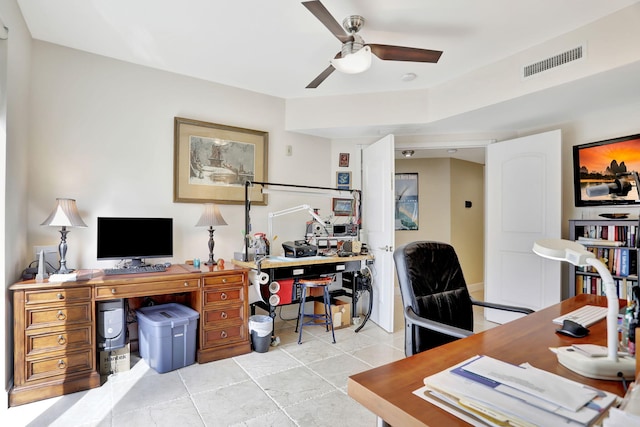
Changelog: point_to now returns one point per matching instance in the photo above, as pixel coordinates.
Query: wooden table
(387, 390)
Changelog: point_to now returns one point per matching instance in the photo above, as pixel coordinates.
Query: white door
(523, 204)
(378, 169)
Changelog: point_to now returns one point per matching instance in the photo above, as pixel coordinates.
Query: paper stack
(495, 393)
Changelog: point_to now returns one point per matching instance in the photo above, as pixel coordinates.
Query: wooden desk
(387, 390)
(55, 323)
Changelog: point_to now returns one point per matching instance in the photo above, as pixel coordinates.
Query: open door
(378, 169)
(523, 204)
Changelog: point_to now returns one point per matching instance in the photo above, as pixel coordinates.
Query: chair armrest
(442, 328)
(502, 307)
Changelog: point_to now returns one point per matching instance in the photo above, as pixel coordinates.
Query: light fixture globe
(353, 63)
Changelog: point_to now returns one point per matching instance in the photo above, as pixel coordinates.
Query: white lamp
(64, 215)
(211, 217)
(613, 366)
(353, 63)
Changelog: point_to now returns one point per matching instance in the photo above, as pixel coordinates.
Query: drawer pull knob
(223, 296)
(223, 315)
(61, 315)
(223, 334)
(60, 296)
(61, 364)
(224, 280)
(186, 284)
(62, 340)
(113, 291)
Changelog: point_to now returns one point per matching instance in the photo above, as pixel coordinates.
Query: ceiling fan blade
(323, 15)
(321, 77)
(400, 53)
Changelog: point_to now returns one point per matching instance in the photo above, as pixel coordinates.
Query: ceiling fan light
(354, 63)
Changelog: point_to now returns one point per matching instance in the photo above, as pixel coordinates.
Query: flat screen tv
(605, 173)
(134, 239)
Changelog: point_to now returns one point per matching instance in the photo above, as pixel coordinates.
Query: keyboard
(135, 270)
(585, 316)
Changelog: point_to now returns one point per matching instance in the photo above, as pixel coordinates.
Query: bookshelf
(614, 242)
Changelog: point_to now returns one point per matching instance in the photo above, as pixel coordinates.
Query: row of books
(486, 391)
(625, 234)
(620, 261)
(586, 284)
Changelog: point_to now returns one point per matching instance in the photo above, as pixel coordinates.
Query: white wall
(102, 133)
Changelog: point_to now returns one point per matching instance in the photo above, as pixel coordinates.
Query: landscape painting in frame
(212, 162)
(406, 201)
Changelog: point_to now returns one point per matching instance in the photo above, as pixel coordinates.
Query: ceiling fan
(355, 56)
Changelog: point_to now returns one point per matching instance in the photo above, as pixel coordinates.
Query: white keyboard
(586, 315)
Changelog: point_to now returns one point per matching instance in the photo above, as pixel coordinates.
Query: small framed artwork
(342, 207)
(343, 179)
(406, 217)
(212, 162)
(344, 160)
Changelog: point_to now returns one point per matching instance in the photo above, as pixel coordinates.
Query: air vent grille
(554, 61)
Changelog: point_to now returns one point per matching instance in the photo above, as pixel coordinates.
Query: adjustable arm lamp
(288, 211)
(613, 366)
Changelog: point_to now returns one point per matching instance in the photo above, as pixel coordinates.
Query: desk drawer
(62, 365)
(57, 316)
(146, 288)
(211, 317)
(223, 335)
(235, 279)
(61, 340)
(57, 295)
(223, 295)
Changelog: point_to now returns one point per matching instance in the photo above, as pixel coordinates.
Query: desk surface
(387, 390)
(280, 262)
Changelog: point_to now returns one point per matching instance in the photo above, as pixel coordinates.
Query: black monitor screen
(135, 238)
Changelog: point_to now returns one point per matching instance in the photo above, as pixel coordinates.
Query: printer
(299, 249)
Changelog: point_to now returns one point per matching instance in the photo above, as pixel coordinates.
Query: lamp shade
(354, 63)
(65, 214)
(211, 216)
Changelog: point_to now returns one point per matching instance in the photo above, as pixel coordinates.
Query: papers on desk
(496, 393)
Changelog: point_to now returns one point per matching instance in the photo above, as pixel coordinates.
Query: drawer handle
(224, 280)
(223, 296)
(60, 296)
(223, 315)
(62, 340)
(113, 291)
(61, 315)
(186, 284)
(61, 364)
(223, 334)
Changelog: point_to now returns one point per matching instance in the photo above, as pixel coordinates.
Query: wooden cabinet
(55, 325)
(55, 350)
(614, 242)
(224, 315)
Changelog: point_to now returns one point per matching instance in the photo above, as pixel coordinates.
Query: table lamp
(613, 366)
(64, 215)
(211, 217)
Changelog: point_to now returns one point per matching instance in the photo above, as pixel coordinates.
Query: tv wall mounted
(605, 173)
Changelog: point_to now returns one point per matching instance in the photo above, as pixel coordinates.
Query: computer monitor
(134, 238)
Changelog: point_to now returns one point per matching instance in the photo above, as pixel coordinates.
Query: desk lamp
(613, 366)
(64, 215)
(211, 217)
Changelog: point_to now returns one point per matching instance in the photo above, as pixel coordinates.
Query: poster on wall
(406, 201)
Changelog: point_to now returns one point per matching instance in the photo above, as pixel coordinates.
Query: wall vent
(553, 62)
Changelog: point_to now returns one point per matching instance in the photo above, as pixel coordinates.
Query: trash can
(260, 327)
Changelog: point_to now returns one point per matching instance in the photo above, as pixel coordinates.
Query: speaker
(111, 328)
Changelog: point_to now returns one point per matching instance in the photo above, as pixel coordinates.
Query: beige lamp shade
(65, 214)
(211, 216)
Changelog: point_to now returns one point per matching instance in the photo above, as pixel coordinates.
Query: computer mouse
(573, 329)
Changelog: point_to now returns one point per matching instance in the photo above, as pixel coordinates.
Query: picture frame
(406, 197)
(343, 180)
(343, 162)
(212, 162)
(342, 207)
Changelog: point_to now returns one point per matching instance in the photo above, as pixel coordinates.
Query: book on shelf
(488, 391)
(599, 242)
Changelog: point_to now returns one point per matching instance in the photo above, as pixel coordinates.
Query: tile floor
(290, 385)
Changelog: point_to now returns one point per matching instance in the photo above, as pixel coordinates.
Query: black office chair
(437, 305)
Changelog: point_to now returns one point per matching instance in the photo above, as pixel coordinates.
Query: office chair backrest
(432, 284)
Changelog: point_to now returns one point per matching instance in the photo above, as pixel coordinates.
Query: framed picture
(343, 207)
(212, 162)
(343, 180)
(344, 160)
(406, 216)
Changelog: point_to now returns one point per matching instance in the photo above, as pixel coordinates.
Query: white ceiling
(276, 47)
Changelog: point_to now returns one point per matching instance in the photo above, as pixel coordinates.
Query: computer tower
(111, 328)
